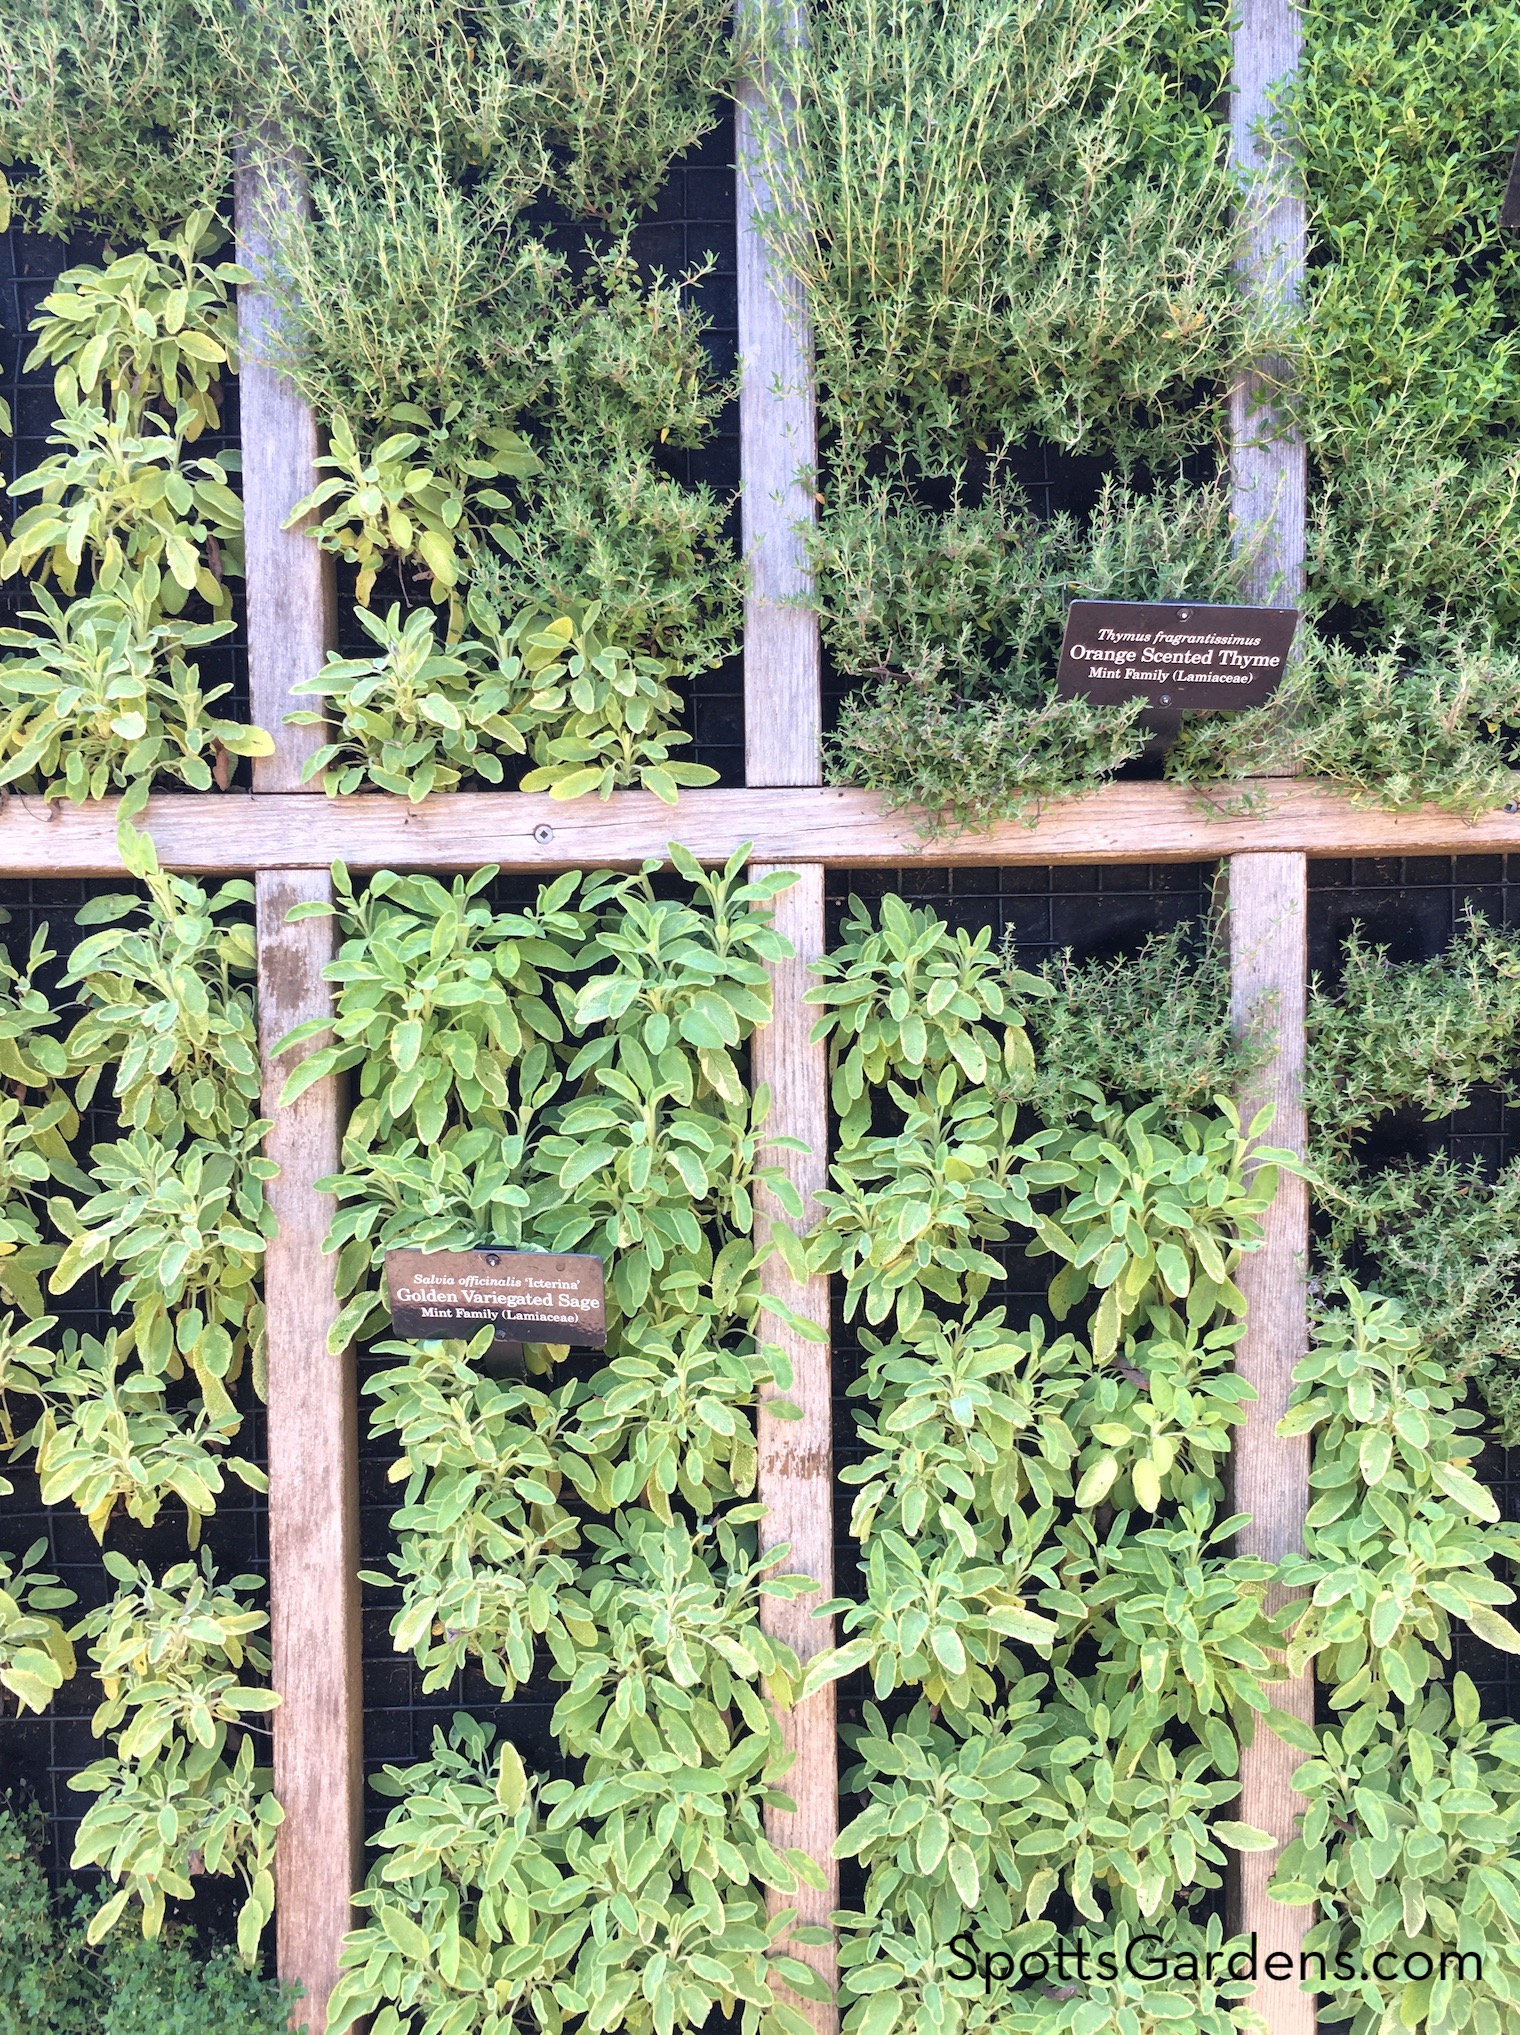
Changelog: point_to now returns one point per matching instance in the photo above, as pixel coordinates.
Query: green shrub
(103, 697)
(971, 763)
(172, 1207)
(1041, 1511)
(570, 1077)
(116, 115)
(53, 1983)
(1408, 371)
(1428, 1800)
(180, 1791)
(957, 621)
(1407, 117)
(1423, 1036)
(1430, 723)
(1411, 1795)
(421, 292)
(417, 717)
(1009, 223)
(1401, 546)
(169, 1988)
(45, 1978)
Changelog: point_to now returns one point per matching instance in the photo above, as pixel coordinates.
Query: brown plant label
(525, 1296)
(1174, 655)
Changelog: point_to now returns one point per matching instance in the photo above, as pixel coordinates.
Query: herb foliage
(570, 1076)
(1045, 1543)
(172, 1206)
(101, 694)
(53, 1982)
(1410, 1790)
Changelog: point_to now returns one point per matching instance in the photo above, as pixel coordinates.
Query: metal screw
(1166, 699)
(543, 833)
(1511, 806)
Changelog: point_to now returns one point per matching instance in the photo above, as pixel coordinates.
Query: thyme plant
(1423, 1038)
(981, 277)
(956, 621)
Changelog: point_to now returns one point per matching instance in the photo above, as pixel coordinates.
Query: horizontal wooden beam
(233, 832)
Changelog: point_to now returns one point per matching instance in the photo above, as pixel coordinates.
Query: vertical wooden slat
(796, 1456)
(778, 450)
(1268, 971)
(292, 589)
(313, 1448)
(783, 723)
(313, 1475)
(1268, 958)
(1267, 462)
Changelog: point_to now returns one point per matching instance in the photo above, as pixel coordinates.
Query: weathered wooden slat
(313, 1450)
(313, 1475)
(778, 450)
(1269, 960)
(1121, 823)
(1268, 975)
(796, 1456)
(292, 591)
(1267, 461)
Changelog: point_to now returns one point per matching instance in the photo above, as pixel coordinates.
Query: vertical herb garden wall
(511, 308)
(509, 305)
(1027, 329)
(479, 278)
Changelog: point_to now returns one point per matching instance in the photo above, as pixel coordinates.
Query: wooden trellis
(286, 835)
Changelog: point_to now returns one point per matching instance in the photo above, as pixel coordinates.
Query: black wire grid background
(39, 1755)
